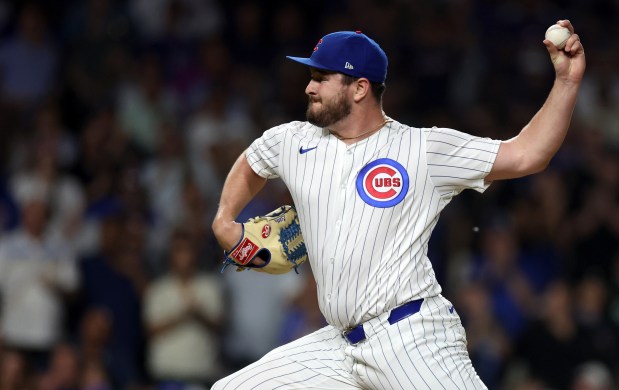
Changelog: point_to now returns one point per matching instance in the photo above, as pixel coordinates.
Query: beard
(330, 112)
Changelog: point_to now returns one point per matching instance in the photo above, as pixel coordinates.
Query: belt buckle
(347, 332)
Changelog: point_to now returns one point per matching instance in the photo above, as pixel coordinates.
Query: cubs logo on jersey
(382, 183)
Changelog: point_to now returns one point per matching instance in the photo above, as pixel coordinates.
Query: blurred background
(120, 119)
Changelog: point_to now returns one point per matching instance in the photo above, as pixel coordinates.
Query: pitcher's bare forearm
(241, 185)
(533, 148)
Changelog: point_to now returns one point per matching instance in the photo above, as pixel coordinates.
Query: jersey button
(332, 260)
(328, 297)
(338, 223)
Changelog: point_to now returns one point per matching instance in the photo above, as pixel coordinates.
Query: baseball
(558, 35)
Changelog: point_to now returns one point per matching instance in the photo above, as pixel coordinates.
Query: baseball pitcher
(368, 190)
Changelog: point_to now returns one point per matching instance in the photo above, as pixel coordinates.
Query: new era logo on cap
(338, 51)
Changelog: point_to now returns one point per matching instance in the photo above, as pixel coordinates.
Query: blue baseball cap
(349, 52)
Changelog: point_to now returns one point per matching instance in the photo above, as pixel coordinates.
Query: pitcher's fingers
(566, 23)
(573, 44)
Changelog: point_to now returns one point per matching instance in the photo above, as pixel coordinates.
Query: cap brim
(309, 62)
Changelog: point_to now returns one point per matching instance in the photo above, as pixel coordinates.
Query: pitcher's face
(329, 100)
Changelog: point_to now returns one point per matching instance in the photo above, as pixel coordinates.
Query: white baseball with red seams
(558, 35)
(367, 211)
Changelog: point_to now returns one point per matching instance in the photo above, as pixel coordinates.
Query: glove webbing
(287, 237)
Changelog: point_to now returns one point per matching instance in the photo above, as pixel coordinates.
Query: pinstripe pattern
(361, 239)
(426, 351)
(368, 260)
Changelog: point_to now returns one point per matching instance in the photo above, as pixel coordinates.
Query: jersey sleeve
(263, 155)
(457, 161)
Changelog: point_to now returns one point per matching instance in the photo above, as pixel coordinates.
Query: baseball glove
(275, 238)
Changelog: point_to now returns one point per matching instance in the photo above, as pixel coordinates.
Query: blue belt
(357, 334)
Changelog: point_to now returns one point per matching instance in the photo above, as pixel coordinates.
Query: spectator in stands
(592, 376)
(42, 171)
(221, 127)
(94, 337)
(500, 269)
(303, 315)
(110, 284)
(145, 104)
(183, 310)
(37, 274)
(64, 370)
(554, 346)
(163, 177)
(14, 373)
(28, 61)
(487, 342)
(590, 305)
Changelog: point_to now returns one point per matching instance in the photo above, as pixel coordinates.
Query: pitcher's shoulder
(401, 129)
(294, 127)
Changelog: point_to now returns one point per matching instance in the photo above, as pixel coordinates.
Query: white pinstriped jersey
(367, 209)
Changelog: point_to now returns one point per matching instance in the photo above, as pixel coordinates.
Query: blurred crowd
(120, 119)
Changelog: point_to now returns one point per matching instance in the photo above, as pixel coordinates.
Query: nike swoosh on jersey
(303, 151)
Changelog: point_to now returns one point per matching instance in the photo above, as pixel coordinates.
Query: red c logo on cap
(318, 44)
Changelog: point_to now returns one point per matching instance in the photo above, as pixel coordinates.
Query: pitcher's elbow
(538, 166)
